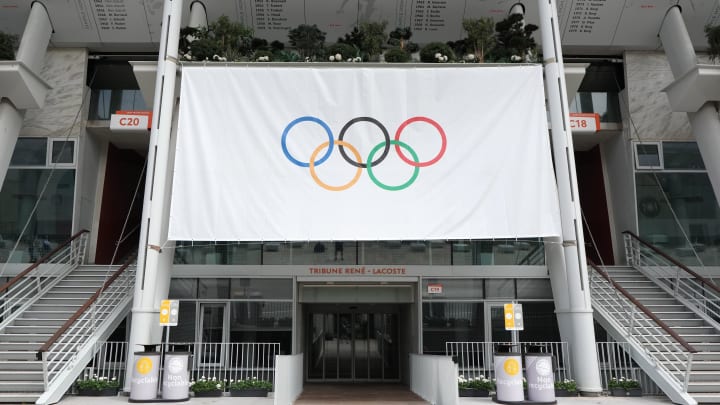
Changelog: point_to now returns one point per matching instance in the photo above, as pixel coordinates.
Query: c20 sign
(130, 120)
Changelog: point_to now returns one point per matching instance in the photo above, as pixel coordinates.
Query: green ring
(402, 186)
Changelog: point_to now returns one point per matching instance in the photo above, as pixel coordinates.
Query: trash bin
(508, 377)
(176, 374)
(144, 383)
(540, 378)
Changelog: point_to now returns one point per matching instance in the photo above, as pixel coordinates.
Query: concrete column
(32, 50)
(155, 253)
(705, 122)
(566, 258)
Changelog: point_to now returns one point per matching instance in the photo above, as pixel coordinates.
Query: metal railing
(234, 361)
(60, 351)
(108, 362)
(29, 286)
(674, 277)
(657, 340)
(475, 359)
(615, 362)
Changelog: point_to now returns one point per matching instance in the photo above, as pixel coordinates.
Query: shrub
(263, 56)
(622, 382)
(250, 383)
(477, 383)
(567, 385)
(97, 383)
(7, 46)
(204, 384)
(430, 51)
(396, 55)
(347, 51)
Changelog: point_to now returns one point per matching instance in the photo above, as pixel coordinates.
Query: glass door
(352, 346)
(211, 335)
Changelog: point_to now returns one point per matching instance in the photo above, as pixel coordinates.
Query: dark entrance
(352, 344)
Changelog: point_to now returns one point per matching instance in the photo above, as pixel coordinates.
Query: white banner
(281, 154)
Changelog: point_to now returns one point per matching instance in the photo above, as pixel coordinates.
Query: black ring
(379, 125)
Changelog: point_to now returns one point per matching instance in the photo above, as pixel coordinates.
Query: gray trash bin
(144, 383)
(509, 377)
(176, 374)
(540, 378)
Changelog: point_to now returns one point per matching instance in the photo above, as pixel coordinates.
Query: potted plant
(475, 387)
(566, 388)
(7, 46)
(223, 40)
(436, 52)
(250, 387)
(514, 41)
(712, 33)
(207, 387)
(623, 387)
(97, 386)
(481, 37)
(308, 40)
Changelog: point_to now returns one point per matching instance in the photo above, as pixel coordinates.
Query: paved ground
(74, 400)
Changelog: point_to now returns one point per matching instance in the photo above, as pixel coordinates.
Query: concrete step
(83, 293)
(48, 313)
(21, 365)
(22, 387)
(18, 398)
(707, 398)
(674, 322)
(704, 375)
(80, 282)
(24, 338)
(704, 387)
(21, 346)
(681, 314)
(32, 330)
(21, 375)
(61, 301)
(56, 323)
(15, 355)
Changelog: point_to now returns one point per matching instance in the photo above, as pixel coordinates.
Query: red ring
(431, 122)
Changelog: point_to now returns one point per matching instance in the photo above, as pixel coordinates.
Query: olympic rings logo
(356, 161)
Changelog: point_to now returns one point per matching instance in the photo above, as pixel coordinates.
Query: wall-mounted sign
(434, 288)
(357, 271)
(586, 123)
(169, 310)
(513, 317)
(131, 120)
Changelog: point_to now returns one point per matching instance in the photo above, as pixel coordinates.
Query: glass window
(214, 288)
(533, 288)
(46, 225)
(453, 288)
(682, 156)
(451, 322)
(694, 204)
(260, 288)
(647, 155)
(540, 322)
(30, 152)
(500, 288)
(183, 288)
(262, 322)
(184, 332)
(63, 152)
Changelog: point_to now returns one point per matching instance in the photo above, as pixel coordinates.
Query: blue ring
(311, 119)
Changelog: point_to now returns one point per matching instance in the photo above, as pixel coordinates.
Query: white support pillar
(155, 253)
(32, 50)
(705, 122)
(567, 265)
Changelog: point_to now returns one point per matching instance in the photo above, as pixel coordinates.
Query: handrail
(675, 262)
(41, 261)
(45, 347)
(644, 309)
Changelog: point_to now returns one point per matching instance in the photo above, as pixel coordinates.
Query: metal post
(154, 256)
(569, 274)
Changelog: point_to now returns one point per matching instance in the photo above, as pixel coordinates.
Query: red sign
(584, 122)
(131, 120)
(434, 288)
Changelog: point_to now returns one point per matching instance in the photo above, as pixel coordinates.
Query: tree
(399, 37)
(514, 40)
(713, 37)
(481, 36)
(373, 38)
(221, 39)
(308, 39)
(7, 46)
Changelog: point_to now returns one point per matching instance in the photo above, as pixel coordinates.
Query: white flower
(338, 57)
(217, 386)
(332, 58)
(350, 60)
(515, 58)
(470, 56)
(438, 55)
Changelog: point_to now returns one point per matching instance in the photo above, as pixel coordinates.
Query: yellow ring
(335, 188)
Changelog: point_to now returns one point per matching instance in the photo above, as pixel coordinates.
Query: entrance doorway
(354, 343)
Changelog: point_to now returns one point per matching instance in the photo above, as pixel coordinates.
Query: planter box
(471, 392)
(565, 393)
(204, 394)
(618, 392)
(107, 392)
(249, 393)
(634, 392)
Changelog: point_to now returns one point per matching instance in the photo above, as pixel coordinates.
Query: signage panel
(584, 122)
(131, 120)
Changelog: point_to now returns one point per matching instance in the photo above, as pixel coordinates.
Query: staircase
(41, 351)
(666, 313)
